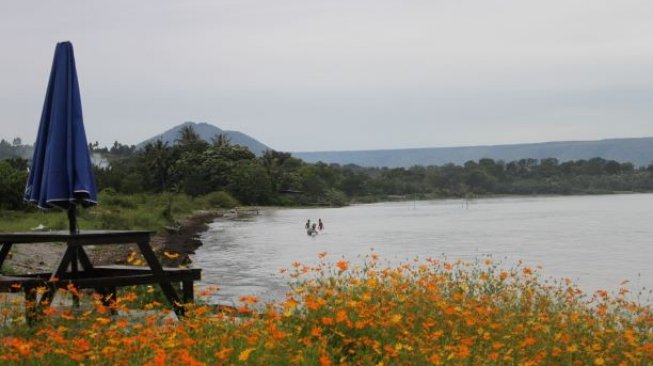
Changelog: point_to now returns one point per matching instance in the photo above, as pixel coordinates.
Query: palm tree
(157, 160)
(220, 139)
(188, 136)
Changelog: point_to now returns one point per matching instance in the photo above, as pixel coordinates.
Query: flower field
(427, 312)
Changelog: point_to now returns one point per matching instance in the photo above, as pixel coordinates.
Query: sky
(309, 75)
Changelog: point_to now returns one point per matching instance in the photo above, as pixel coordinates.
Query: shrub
(122, 201)
(112, 221)
(220, 199)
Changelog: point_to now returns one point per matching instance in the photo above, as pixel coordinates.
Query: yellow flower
(599, 361)
(244, 355)
(572, 348)
(170, 255)
(103, 321)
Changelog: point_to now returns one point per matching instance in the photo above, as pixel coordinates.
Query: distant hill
(638, 151)
(206, 132)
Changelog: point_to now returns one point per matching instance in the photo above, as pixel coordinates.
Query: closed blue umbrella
(61, 174)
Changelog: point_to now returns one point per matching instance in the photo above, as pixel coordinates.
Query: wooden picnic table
(76, 268)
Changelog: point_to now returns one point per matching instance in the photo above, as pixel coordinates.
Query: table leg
(188, 291)
(83, 259)
(157, 269)
(30, 305)
(74, 269)
(47, 297)
(109, 294)
(110, 299)
(4, 252)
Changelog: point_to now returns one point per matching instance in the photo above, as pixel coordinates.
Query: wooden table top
(83, 237)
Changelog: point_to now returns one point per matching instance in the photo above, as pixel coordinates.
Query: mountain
(638, 151)
(206, 132)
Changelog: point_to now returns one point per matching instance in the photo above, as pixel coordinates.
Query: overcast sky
(308, 75)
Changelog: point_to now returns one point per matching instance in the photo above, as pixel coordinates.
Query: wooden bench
(107, 276)
(19, 283)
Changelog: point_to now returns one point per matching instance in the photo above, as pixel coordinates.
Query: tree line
(197, 167)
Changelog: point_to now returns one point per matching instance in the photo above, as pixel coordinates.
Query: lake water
(599, 241)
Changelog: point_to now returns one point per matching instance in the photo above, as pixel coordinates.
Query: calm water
(599, 241)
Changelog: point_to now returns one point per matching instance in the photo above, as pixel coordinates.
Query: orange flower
(316, 331)
(529, 341)
(341, 316)
(81, 345)
(342, 265)
(325, 360)
(129, 296)
(224, 353)
(463, 351)
(435, 359)
(313, 304)
(497, 345)
(160, 358)
(390, 350)
(249, 299)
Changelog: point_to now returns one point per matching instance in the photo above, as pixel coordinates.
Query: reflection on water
(599, 241)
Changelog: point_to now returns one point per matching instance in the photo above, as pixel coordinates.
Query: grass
(429, 312)
(117, 211)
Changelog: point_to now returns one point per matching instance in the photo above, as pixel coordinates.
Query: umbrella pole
(72, 219)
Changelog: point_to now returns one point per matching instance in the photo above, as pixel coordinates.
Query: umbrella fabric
(61, 174)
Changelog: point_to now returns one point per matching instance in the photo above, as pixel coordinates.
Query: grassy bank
(423, 313)
(118, 211)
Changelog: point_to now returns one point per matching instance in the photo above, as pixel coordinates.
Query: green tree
(249, 183)
(282, 169)
(12, 186)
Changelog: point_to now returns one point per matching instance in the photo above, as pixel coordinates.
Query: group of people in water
(312, 229)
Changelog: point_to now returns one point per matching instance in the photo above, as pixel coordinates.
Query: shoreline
(175, 245)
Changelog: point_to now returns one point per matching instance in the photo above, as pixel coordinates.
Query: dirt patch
(33, 258)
